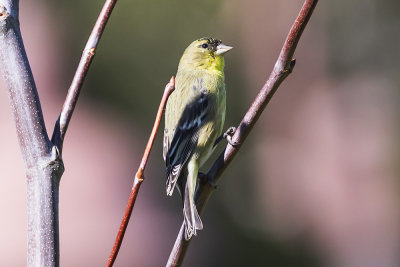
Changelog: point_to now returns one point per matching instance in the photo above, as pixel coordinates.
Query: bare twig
(88, 53)
(139, 177)
(283, 67)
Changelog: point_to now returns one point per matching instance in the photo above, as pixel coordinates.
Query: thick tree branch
(139, 177)
(42, 163)
(283, 67)
(61, 126)
(42, 158)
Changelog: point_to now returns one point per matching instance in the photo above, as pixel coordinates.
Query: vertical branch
(283, 67)
(21, 87)
(42, 164)
(139, 177)
(42, 157)
(88, 53)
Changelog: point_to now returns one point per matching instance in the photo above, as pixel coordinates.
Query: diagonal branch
(61, 126)
(139, 177)
(283, 67)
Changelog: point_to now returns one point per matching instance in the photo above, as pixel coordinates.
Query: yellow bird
(194, 119)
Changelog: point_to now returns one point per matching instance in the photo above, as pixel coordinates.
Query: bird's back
(190, 85)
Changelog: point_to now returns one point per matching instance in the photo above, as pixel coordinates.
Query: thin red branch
(88, 53)
(168, 90)
(139, 177)
(283, 67)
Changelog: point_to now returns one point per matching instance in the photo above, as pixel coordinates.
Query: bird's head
(205, 53)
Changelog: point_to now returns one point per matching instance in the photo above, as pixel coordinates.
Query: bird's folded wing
(185, 138)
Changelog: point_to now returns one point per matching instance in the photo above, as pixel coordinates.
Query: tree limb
(139, 177)
(42, 163)
(88, 53)
(283, 67)
(42, 157)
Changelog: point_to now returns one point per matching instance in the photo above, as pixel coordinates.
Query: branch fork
(43, 179)
(42, 157)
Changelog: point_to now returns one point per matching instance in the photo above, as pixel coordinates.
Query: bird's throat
(217, 64)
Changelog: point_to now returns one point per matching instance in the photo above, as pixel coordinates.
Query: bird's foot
(228, 136)
(204, 179)
(212, 185)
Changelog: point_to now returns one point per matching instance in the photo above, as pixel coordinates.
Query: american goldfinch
(194, 119)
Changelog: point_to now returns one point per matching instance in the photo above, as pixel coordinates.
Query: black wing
(185, 138)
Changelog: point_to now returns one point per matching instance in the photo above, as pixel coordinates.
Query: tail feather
(191, 217)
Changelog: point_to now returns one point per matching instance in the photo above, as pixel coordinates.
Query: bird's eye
(204, 45)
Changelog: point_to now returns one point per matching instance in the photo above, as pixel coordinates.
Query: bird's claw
(213, 185)
(206, 181)
(228, 136)
(231, 130)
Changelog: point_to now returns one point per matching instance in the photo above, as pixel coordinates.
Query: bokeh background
(315, 184)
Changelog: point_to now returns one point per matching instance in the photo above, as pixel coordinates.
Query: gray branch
(42, 156)
(42, 162)
(88, 53)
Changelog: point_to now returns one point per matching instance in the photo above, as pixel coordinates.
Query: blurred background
(315, 184)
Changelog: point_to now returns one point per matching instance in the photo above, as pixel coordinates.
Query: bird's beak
(222, 49)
